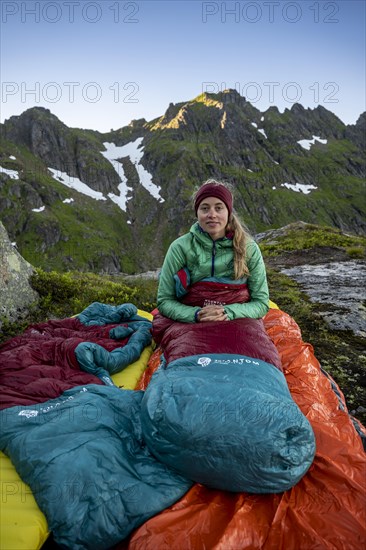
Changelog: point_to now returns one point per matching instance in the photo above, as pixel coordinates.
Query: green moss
(356, 252)
(314, 236)
(64, 295)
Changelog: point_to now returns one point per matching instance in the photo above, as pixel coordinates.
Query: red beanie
(214, 190)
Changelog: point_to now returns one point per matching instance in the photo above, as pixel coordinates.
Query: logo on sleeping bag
(204, 361)
(28, 414)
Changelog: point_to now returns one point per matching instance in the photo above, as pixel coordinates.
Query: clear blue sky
(100, 64)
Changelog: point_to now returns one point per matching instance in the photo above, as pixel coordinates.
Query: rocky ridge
(302, 163)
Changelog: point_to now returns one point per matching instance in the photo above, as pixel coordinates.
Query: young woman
(215, 272)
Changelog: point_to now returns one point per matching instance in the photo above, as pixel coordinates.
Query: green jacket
(205, 258)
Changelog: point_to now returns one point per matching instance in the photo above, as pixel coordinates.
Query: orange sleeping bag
(325, 510)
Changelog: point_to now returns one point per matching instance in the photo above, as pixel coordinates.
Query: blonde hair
(241, 234)
(240, 240)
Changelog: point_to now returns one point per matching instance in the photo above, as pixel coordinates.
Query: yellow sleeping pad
(23, 526)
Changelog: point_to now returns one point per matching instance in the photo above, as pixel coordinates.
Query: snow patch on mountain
(13, 174)
(135, 152)
(76, 184)
(299, 187)
(307, 143)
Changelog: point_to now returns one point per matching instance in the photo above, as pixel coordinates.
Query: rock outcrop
(16, 293)
(74, 152)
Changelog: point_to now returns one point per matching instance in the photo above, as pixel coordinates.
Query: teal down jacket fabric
(94, 358)
(97, 360)
(101, 314)
(206, 259)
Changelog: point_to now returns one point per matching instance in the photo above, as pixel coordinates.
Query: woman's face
(213, 216)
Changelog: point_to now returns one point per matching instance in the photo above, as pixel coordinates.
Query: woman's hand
(212, 313)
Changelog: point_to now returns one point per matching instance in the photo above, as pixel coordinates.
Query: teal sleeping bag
(87, 464)
(228, 422)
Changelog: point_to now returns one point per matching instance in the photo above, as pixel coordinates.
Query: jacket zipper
(213, 259)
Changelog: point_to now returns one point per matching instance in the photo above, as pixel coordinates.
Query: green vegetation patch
(315, 236)
(64, 295)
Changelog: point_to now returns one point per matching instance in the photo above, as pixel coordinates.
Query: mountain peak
(34, 113)
(137, 122)
(361, 121)
(208, 99)
(284, 166)
(298, 108)
(232, 91)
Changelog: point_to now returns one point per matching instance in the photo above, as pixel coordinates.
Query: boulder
(16, 293)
